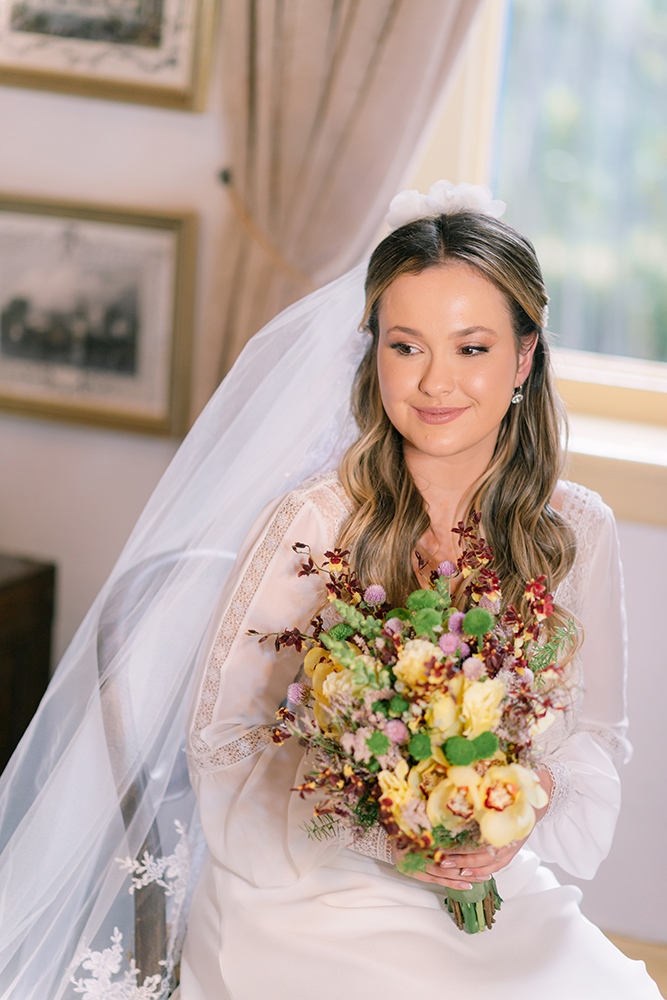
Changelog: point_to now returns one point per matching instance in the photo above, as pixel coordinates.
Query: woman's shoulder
(592, 523)
(583, 509)
(323, 492)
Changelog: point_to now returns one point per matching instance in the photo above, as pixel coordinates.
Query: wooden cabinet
(26, 617)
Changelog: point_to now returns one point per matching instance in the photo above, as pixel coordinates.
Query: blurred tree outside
(581, 160)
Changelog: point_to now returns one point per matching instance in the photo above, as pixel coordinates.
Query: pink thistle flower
(394, 626)
(492, 606)
(449, 643)
(375, 594)
(447, 568)
(473, 669)
(464, 650)
(397, 731)
(297, 694)
(455, 622)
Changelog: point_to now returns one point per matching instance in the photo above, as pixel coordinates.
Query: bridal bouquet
(422, 718)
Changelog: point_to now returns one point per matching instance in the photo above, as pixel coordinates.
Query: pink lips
(439, 414)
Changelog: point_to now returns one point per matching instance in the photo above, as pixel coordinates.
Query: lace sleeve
(253, 823)
(561, 787)
(243, 683)
(587, 742)
(374, 844)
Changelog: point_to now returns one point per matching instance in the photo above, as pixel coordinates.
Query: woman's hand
(461, 870)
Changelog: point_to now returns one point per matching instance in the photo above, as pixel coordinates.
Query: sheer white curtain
(326, 100)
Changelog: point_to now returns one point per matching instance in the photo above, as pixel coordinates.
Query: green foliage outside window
(582, 165)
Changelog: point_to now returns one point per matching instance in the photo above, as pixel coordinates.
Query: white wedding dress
(277, 916)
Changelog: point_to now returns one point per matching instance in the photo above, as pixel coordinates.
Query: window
(561, 106)
(581, 160)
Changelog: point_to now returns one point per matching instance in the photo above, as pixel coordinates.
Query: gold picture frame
(96, 313)
(155, 52)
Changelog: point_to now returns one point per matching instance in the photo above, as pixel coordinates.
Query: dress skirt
(356, 929)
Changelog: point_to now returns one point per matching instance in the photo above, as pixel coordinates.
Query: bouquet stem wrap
(472, 910)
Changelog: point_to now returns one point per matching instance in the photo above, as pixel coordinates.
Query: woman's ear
(526, 362)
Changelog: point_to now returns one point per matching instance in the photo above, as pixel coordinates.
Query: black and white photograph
(146, 51)
(87, 316)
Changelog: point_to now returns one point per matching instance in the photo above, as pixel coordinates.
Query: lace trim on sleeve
(374, 844)
(585, 512)
(561, 789)
(329, 496)
(244, 746)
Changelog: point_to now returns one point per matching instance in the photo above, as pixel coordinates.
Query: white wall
(72, 493)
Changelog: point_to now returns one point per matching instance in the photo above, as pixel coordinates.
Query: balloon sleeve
(252, 820)
(577, 831)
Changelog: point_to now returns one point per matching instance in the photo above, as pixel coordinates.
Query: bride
(454, 407)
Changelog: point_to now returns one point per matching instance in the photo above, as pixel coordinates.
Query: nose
(437, 378)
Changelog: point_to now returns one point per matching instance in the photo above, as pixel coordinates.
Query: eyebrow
(467, 332)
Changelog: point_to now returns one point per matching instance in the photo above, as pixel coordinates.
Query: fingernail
(467, 871)
(448, 864)
(465, 885)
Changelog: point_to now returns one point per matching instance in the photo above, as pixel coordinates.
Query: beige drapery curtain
(326, 102)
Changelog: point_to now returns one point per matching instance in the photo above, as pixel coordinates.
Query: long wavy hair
(527, 535)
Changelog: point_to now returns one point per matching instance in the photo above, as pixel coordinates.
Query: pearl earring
(518, 395)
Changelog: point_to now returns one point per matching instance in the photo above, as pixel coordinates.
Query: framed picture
(96, 314)
(146, 51)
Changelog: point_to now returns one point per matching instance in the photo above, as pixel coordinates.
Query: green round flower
(420, 746)
(477, 622)
(378, 743)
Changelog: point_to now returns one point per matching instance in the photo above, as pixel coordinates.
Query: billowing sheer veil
(100, 778)
(100, 844)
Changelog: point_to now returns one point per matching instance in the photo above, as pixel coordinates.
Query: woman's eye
(469, 350)
(404, 349)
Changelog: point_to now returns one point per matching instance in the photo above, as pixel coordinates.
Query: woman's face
(447, 361)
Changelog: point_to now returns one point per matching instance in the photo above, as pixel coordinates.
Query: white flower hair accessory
(443, 197)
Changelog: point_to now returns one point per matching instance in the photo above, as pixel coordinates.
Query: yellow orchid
(480, 706)
(394, 782)
(442, 717)
(396, 793)
(313, 657)
(454, 800)
(319, 664)
(424, 776)
(322, 717)
(542, 723)
(321, 672)
(508, 796)
(318, 654)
